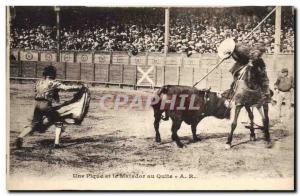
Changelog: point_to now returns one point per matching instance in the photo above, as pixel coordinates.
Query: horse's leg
(194, 130)
(175, 127)
(260, 110)
(233, 125)
(251, 117)
(266, 126)
(157, 117)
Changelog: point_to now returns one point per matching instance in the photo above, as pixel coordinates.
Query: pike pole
(223, 59)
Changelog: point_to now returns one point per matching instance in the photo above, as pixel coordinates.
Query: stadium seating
(195, 31)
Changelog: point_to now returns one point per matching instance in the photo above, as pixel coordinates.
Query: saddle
(246, 96)
(240, 91)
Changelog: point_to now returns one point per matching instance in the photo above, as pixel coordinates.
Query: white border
(112, 3)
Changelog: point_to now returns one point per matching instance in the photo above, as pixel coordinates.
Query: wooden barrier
(15, 69)
(102, 73)
(28, 69)
(73, 71)
(159, 75)
(115, 73)
(152, 70)
(186, 76)
(129, 75)
(60, 70)
(87, 71)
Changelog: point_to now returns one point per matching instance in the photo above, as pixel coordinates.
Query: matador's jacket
(46, 92)
(47, 89)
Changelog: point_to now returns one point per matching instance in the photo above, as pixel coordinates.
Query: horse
(248, 93)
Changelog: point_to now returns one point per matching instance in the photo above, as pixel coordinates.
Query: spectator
(202, 32)
(284, 89)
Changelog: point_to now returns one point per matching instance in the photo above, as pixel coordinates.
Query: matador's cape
(75, 110)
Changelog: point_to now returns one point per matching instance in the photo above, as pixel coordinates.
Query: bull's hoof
(180, 145)
(252, 138)
(57, 146)
(227, 146)
(173, 138)
(268, 145)
(19, 142)
(196, 139)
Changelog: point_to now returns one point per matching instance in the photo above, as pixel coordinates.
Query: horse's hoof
(252, 138)
(227, 146)
(268, 144)
(196, 139)
(158, 140)
(57, 146)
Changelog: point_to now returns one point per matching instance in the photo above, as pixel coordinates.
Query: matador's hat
(50, 71)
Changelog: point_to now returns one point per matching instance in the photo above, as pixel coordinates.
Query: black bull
(189, 105)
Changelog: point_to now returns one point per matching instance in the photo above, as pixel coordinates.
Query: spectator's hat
(284, 70)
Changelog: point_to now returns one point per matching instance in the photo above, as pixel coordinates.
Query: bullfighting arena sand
(123, 142)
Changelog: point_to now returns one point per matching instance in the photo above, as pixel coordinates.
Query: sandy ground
(123, 142)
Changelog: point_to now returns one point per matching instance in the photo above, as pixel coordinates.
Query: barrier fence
(143, 70)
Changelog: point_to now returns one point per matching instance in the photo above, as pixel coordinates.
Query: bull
(189, 105)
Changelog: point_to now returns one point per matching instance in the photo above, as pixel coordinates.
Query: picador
(250, 55)
(250, 87)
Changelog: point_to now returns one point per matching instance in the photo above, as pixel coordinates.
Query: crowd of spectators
(199, 32)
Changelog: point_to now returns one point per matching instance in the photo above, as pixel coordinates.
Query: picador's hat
(226, 48)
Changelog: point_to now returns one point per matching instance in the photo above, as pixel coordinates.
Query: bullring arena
(122, 142)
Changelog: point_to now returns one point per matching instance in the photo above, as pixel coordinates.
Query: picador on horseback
(250, 87)
(252, 56)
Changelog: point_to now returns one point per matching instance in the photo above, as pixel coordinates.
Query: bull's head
(217, 106)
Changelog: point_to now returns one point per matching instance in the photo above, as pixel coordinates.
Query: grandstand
(94, 44)
(116, 29)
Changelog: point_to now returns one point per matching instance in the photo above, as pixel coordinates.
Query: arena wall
(142, 70)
